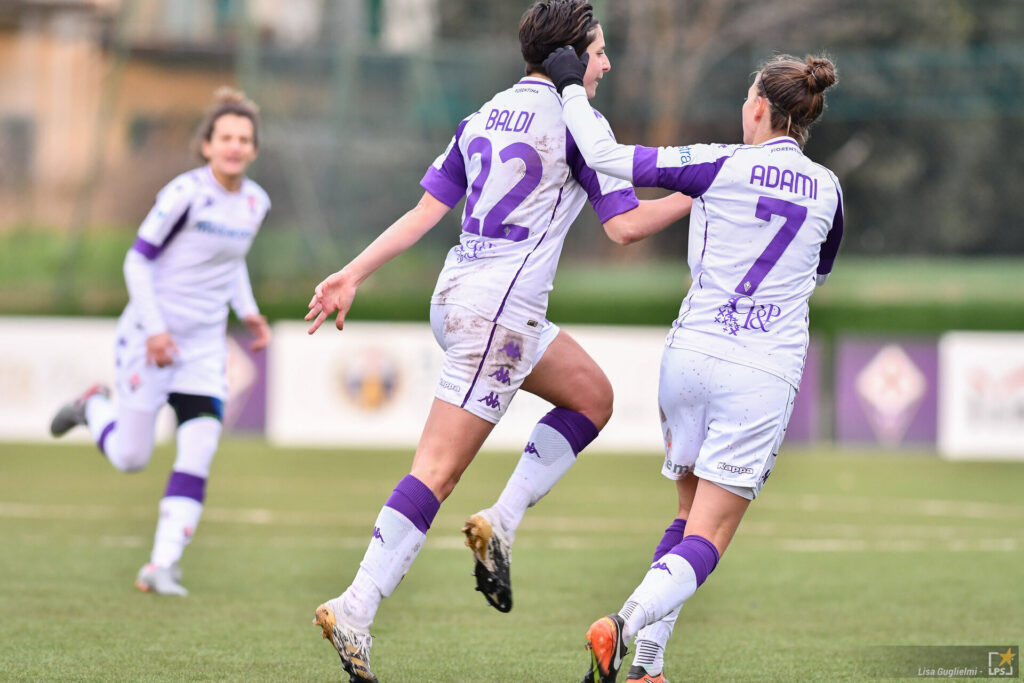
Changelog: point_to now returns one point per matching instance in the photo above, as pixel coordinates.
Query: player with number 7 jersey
(764, 231)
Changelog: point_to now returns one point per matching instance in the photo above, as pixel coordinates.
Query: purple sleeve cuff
(645, 166)
(150, 251)
(829, 249)
(614, 203)
(442, 188)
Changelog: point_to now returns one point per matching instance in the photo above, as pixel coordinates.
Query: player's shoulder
(252, 188)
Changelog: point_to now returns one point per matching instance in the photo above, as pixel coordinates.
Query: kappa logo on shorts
(501, 374)
(490, 400)
(512, 350)
(376, 534)
(734, 469)
(661, 565)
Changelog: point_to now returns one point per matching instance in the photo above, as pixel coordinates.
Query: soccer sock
(550, 451)
(180, 509)
(124, 436)
(651, 640)
(182, 504)
(669, 583)
(398, 534)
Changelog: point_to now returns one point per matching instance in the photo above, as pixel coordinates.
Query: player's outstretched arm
(336, 293)
(648, 218)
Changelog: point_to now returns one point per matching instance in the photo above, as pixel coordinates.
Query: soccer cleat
(638, 674)
(352, 644)
(72, 414)
(604, 640)
(491, 550)
(160, 580)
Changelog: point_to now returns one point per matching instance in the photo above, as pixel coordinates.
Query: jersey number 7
(795, 216)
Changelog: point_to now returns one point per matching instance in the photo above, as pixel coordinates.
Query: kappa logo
(512, 350)
(661, 565)
(531, 449)
(490, 400)
(377, 534)
(501, 374)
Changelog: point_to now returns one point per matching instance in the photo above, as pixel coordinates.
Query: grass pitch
(844, 551)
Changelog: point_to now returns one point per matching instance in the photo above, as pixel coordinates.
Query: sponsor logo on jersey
(680, 470)
(744, 313)
(685, 155)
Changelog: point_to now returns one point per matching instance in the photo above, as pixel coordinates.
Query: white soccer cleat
(72, 413)
(160, 580)
(485, 536)
(351, 643)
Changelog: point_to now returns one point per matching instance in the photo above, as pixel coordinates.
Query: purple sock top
(700, 553)
(416, 501)
(185, 485)
(673, 534)
(577, 428)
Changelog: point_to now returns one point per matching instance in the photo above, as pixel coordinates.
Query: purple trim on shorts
(415, 501)
(102, 441)
(699, 553)
(483, 359)
(185, 485)
(577, 428)
(673, 536)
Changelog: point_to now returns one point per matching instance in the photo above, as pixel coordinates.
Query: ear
(762, 108)
(204, 149)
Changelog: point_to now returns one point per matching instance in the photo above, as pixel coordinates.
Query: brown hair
(552, 24)
(226, 100)
(795, 91)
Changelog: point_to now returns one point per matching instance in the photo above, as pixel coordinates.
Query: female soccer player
(765, 230)
(524, 182)
(184, 270)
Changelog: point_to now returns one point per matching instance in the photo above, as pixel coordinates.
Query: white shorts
(200, 368)
(722, 421)
(484, 363)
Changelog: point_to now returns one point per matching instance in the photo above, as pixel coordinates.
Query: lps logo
(1002, 664)
(742, 312)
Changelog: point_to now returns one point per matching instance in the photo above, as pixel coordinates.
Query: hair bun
(821, 74)
(226, 95)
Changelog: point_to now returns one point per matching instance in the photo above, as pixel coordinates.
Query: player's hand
(565, 68)
(161, 350)
(259, 329)
(333, 295)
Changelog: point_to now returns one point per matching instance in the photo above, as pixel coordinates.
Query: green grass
(843, 551)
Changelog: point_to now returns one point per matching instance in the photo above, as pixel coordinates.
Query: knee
(132, 459)
(597, 404)
(439, 479)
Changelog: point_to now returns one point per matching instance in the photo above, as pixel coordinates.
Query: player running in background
(764, 231)
(186, 268)
(524, 182)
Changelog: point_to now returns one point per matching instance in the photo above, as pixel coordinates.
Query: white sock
(667, 585)
(651, 642)
(545, 460)
(394, 545)
(179, 517)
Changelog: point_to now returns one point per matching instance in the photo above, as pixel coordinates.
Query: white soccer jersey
(526, 182)
(765, 228)
(188, 261)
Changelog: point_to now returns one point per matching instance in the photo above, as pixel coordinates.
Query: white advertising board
(981, 395)
(372, 385)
